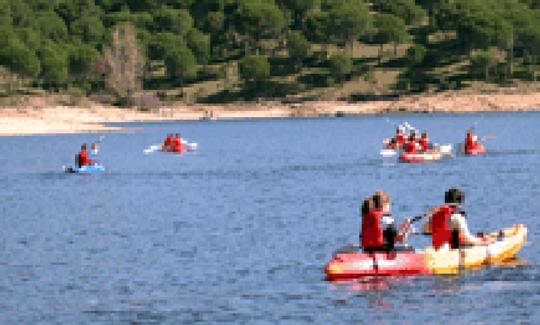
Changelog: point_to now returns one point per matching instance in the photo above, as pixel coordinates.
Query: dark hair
(83, 146)
(455, 196)
(367, 206)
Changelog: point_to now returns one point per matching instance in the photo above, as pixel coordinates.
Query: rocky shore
(42, 117)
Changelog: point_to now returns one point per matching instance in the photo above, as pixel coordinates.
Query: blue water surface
(239, 232)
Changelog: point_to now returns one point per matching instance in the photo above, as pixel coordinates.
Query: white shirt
(457, 221)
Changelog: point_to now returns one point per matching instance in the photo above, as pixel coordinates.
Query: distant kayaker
(399, 138)
(82, 157)
(424, 142)
(169, 142)
(378, 230)
(448, 224)
(471, 141)
(178, 146)
(410, 147)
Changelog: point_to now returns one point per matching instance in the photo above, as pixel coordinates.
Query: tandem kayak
(420, 157)
(351, 263)
(91, 169)
(188, 146)
(474, 152)
(445, 149)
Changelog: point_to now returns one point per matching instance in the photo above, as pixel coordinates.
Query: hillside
(220, 51)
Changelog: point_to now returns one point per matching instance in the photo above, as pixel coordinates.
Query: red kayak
(420, 157)
(356, 264)
(480, 150)
(181, 151)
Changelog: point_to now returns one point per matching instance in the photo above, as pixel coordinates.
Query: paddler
(178, 146)
(378, 230)
(94, 152)
(410, 147)
(169, 143)
(424, 142)
(448, 224)
(471, 141)
(399, 138)
(82, 157)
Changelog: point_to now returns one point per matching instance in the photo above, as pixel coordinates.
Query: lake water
(239, 232)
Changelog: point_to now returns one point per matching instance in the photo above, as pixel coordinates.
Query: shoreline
(47, 118)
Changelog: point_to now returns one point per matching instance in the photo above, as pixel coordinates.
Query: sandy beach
(47, 118)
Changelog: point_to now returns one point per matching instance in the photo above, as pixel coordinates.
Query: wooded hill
(229, 50)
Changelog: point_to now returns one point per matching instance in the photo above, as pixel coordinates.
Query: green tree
(340, 66)
(416, 54)
(318, 27)
(88, 28)
(21, 14)
(259, 19)
(297, 46)
(348, 19)
(54, 65)
(173, 20)
(199, 44)
(5, 14)
(17, 57)
(82, 59)
(407, 10)
(181, 64)
(254, 70)
(390, 29)
(52, 26)
(163, 43)
(299, 9)
(483, 61)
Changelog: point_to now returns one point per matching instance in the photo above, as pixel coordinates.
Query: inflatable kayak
(91, 169)
(445, 149)
(474, 151)
(187, 147)
(420, 157)
(351, 263)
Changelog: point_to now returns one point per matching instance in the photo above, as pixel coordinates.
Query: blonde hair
(380, 199)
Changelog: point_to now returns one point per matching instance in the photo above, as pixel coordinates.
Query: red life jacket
(169, 141)
(411, 147)
(400, 140)
(83, 158)
(424, 143)
(470, 144)
(441, 233)
(178, 147)
(372, 232)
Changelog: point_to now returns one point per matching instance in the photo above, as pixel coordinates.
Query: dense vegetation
(268, 48)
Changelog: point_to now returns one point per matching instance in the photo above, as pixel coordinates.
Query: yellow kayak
(505, 245)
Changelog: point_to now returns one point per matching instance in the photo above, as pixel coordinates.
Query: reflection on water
(239, 232)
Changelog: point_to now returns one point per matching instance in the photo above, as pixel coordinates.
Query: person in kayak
(410, 147)
(448, 225)
(424, 142)
(399, 138)
(82, 157)
(169, 143)
(178, 146)
(471, 141)
(378, 230)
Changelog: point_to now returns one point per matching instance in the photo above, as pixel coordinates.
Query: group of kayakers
(447, 224)
(412, 142)
(173, 143)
